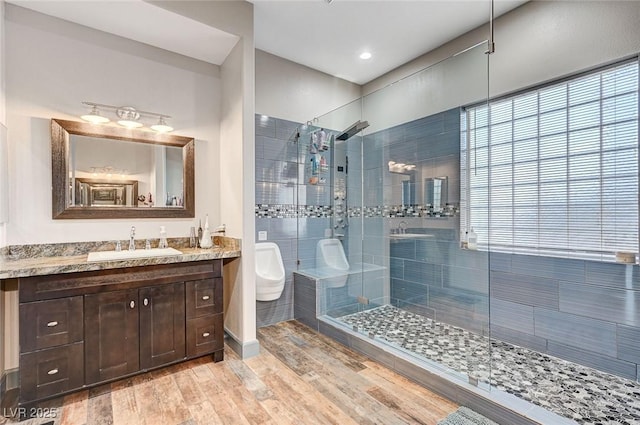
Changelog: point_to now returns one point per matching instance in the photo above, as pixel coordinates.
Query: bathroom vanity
(113, 319)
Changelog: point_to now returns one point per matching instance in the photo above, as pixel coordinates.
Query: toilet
(270, 274)
(330, 259)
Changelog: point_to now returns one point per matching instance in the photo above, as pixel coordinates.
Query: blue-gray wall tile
(403, 248)
(629, 343)
(396, 266)
(581, 332)
(466, 279)
(549, 267)
(613, 275)
(525, 289)
(278, 149)
(265, 126)
(274, 193)
(409, 291)
(522, 339)
(594, 360)
(500, 262)
(510, 315)
(613, 305)
(286, 130)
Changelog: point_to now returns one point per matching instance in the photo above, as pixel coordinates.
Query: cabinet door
(111, 335)
(162, 325)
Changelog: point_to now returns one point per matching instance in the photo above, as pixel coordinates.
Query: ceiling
(326, 36)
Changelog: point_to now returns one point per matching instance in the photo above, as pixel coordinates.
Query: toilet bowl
(330, 259)
(270, 274)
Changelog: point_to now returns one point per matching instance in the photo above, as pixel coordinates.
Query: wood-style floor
(300, 377)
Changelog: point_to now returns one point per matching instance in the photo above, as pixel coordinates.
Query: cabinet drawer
(204, 297)
(52, 371)
(204, 335)
(51, 323)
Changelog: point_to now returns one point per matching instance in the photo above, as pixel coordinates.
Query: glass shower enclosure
(382, 181)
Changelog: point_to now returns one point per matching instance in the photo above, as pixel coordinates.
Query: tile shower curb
(498, 406)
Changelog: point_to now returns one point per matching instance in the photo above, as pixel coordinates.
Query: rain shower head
(353, 129)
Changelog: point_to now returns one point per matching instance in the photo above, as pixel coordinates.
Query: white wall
(294, 92)
(541, 41)
(53, 65)
(237, 160)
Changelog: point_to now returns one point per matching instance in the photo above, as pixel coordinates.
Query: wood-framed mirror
(108, 172)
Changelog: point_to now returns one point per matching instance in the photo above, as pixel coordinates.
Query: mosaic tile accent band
(586, 395)
(385, 211)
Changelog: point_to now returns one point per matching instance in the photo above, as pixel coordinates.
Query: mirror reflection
(93, 192)
(435, 192)
(155, 171)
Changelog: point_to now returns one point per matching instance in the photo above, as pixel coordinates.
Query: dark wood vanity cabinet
(83, 329)
(112, 339)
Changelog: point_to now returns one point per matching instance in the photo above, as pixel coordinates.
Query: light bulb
(162, 126)
(130, 124)
(94, 116)
(128, 117)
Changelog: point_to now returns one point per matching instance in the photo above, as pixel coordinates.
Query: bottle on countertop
(464, 239)
(193, 243)
(199, 232)
(472, 241)
(206, 242)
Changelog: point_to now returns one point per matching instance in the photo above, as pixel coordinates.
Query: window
(554, 170)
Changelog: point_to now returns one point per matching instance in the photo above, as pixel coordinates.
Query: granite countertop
(37, 260)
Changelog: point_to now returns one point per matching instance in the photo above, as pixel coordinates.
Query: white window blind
(554, 170)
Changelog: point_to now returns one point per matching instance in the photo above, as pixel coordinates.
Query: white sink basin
(126, 254)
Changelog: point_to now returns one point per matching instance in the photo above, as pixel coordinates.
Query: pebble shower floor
(585, 395)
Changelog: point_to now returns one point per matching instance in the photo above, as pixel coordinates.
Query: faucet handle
(133, 231)
(118, 246)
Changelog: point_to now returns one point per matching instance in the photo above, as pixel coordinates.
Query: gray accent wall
(276, 179)
(294, 214)
(586, 312)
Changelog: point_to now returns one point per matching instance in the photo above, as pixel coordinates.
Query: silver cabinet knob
(52, 371)
(206, 297)
(145, 302)
(206, 334)
(132, 304)
(52, 324)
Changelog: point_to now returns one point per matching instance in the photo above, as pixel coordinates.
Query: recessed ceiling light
(365, 55)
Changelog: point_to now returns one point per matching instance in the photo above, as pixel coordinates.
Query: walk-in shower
(538, 333)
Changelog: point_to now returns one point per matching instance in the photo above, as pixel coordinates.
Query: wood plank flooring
(300, 377)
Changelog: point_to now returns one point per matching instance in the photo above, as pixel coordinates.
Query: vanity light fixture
(400, 167)
(94, 116)
(128, 117)
(161, 126)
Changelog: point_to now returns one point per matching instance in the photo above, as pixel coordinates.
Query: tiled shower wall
(290, 211)
(582, 311)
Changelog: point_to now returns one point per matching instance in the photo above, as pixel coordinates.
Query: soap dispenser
(163, 238)
(206, 242)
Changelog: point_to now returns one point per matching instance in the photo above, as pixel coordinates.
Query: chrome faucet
(132, 235)
(402, 227)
